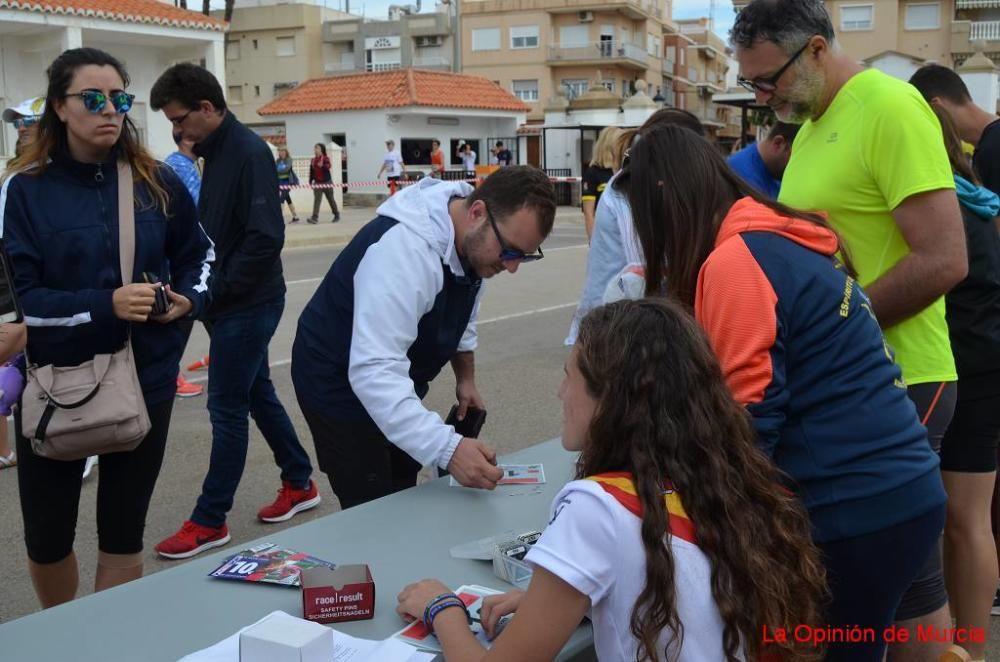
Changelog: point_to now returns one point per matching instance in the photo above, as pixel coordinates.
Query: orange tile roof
(394, 89)
(133, 11)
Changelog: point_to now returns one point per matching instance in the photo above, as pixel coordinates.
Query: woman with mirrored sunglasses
(60, 223)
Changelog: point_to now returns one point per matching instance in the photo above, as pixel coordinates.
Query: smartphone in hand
(161, 304)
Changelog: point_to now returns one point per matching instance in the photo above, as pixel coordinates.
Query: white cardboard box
(285, 640)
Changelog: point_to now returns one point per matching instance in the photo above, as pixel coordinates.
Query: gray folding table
(403, 538)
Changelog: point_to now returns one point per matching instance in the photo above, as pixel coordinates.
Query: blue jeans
(239, 384)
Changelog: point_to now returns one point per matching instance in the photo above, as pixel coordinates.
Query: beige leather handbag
(96, 407)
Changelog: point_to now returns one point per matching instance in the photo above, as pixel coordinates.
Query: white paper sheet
(345, 648)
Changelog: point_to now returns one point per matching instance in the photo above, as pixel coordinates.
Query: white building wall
(367, 130)
(23, 61)
(895, 65)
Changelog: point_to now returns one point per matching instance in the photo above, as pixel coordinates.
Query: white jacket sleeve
(394, 286)
(470, 339)
(630, 239)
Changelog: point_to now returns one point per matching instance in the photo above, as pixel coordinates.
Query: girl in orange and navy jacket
(801, 349)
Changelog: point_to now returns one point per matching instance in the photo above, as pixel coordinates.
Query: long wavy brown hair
(680, 190)
(52, 140)
(664, 413)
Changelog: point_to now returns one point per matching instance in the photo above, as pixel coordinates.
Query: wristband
(441, 606)
(443, 596)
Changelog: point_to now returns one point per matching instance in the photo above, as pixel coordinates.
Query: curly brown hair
(663, 413)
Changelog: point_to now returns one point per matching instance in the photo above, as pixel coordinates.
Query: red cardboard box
(346, 593)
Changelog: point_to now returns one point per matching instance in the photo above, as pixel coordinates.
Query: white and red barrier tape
(400, 183)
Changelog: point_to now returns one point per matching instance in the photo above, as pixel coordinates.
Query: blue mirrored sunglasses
(95, 100)
(24, 122)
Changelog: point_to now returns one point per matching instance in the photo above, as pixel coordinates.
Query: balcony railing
(338, 67)
(988, 30)
(597, 50)
(977, 4)
(432, 62)
(383, 66)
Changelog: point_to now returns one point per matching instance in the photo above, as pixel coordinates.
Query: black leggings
(50, 493)
(360, 462)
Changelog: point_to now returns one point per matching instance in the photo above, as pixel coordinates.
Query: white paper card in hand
(517, 474)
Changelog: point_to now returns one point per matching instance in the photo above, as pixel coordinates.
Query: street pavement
(523, 321)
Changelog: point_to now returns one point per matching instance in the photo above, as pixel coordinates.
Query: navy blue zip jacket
(61, 231)
(393, 310)
(801, 349)
(240, 208)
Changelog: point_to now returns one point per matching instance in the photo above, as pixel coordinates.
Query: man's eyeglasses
(25, 122)
(770, 84)
(507, 252)
(177, 121)
(95, 100)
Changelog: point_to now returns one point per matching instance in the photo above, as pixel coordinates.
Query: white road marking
(303, 280)
(525, 313)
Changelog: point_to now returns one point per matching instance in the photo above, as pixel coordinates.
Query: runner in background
(469, 159)
(286, 177)
(437, 160)
(319, 173)
(392, 165)
(595, 178)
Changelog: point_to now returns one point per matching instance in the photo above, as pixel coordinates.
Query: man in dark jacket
(241, 212)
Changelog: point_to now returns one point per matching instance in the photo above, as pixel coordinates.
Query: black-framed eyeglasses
(507, 252)
(95, 100)
(770, 84)
(25, 122)
(177, 121)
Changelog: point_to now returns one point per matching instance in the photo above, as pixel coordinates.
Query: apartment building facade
(540, 49)
(271, 47)
(697, 64)
(428, 40)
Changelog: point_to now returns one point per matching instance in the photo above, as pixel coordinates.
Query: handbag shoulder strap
(126, 221)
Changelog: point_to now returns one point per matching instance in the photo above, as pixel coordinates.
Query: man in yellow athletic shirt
(870, 153)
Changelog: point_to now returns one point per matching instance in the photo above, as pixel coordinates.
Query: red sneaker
(199, 365)
(186, 389)
(290, 501)
(192, 539)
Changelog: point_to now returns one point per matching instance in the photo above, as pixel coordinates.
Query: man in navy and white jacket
(399, 303)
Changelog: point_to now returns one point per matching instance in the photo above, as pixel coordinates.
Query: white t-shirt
(594, 544)
(393, 162)
(469, 161)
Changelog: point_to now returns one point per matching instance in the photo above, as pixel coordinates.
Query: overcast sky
(380, 9)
